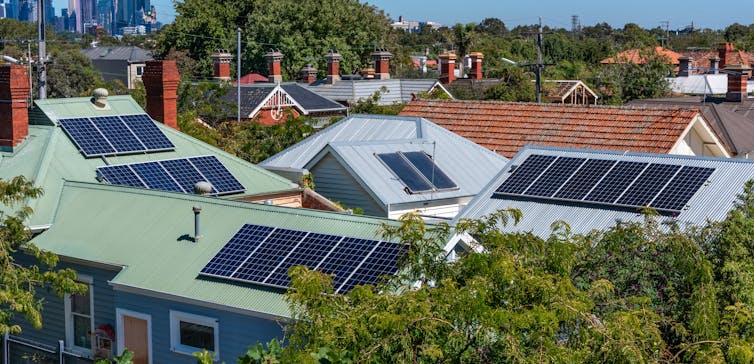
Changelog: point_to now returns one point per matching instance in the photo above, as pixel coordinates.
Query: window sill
(189, 351)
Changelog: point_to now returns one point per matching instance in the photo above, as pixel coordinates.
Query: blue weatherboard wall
(237, 332)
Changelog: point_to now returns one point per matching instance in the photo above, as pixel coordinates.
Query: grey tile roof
(357, 138)
(253, 95)
(712, 201)
(309, 100)
(131, 54)
(391, 91)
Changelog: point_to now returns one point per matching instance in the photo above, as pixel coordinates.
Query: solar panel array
(664, 187)
(262, 255)
(175, 175)
(115, 135)
(417, 171)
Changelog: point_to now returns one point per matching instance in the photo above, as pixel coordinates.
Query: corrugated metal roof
(712, 201)
(703, 84)
(49, 157)
(391, 91)
(142, 229)
(355, 140)
(124, 53)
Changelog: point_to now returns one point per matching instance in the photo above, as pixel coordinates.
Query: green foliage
(127, 357)
(204, 357)
(515, 85)
(371, 105)
(625, 81)
(258, 354)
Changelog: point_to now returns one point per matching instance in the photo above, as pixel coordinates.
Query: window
(79, 318)
(139, 70)
(191, 333)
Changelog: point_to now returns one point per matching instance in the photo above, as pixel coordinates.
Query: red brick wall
(222, 70)
(161, 80)
(14, 112)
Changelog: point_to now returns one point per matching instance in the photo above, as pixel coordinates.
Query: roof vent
(203, 188)
(99, 98)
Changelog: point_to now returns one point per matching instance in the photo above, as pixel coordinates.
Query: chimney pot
(448, 67)
(161, 80)
(382, 63)
(14, 112)
(273, 57)
(333, 66)
(476, 65)
(308, 74)
(684, 66)
(221, 60)
(714, 64)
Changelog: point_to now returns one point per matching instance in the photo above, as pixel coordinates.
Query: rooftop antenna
(238, 74)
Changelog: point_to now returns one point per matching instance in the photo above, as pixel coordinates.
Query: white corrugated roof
(703, 84)
(391, 91)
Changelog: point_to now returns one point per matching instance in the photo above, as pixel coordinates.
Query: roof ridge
(551, 105)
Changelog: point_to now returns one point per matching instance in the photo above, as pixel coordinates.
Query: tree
(18, 283)
(515, 85)
(622, 82)
(493, 27)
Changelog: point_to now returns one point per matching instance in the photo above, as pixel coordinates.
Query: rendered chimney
(722, 51)
(714, 64)
(333, 66)
(476, 65)
(448, 67)
(737, 79)
(221, 59)
(382, 63)
(273, 57)
(684, 66)
(308, 74)
(14, 112)
(161, 80)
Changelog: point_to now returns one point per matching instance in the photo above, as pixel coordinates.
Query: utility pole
(238, 74)
(539, 62)
(665, 41)
(41, 66)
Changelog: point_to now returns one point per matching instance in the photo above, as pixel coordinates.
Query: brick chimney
(308, 74)
(722, 51)
(448, 67)
(273, 57)
(14, 112)
(684, 66)
(737, 76)
(382, 63)
(161, 80)
(222, 58)
(333, 66)
(714, 64)
(476, 65)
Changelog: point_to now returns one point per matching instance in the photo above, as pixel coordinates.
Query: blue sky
(555, 13)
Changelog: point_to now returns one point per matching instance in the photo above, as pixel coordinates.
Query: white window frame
(69, 340)
(120, 338)
(175, 332)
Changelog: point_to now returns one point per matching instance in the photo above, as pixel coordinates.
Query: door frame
(120, 338)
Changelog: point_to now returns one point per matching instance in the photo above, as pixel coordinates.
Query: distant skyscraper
(74, 10)
(2, 10)
(11, 9)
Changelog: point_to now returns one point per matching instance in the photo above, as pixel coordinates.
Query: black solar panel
(585, 178)
(89, 140)
(405, 172)
(268, 255)
(381, 262)
(149, 134)
(116, 132)
(312, 250)
(681, 188)
(648, 185)
(156, 177)
(430, 170)
(184, 173)
(525, 174)
(220, 178)
(554, 177)
(615, 182)
(235, 252)
(120, 175)
(347, 256)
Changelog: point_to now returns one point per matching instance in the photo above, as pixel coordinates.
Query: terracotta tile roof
(700, 59)
(634, 56)
(505, 127)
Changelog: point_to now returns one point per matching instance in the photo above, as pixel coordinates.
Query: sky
(554, 13)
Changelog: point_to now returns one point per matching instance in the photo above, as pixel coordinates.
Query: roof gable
(505, 127)
(257, 97)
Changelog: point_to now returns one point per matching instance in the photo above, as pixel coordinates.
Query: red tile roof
(505, 127)
(635, 56)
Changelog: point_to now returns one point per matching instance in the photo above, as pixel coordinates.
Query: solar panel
(342, 261)
(430, 170)
(648, 185)
(584, 179)
(86, 137)
(312, 250)
(149, 134)
(116, 132)
(681, 188)
(268, 255)
(184, 173)
(525, 174)
(381, 262)
(554, 177)
(235, 252)
(120, 175)
(405, 172)
(156, 177)
(615, 182)
(220, 178)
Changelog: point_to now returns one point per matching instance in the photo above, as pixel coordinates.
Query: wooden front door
(136, 338)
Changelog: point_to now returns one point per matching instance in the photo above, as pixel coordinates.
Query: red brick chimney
(161, 80)
(476, 65)
(14, 98)
(448, 67)
(722, 51)
(737, 76)
(382, 63)
(222, 58)
(308, 74)
(333, 66)
(273, 57)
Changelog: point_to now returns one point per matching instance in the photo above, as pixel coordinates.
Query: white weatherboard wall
(701, 141)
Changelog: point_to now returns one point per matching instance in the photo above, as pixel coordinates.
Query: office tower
(74, 11)
(2, 10)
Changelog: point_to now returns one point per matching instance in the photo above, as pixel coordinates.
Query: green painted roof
(141, 229)
(49, 157)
